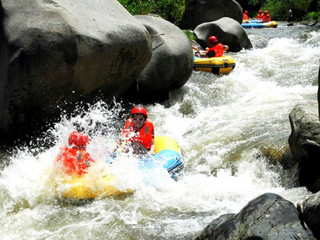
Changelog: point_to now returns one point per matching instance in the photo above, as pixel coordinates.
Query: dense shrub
(313, 15)
(171, 10)
(278, 9)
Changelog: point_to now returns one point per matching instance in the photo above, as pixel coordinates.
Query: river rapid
(222, 124)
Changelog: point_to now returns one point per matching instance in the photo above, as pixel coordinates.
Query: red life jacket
(245, 17)
(259, 16)
(144, 136)
(218, 51)
(74, 160)
(268, 18)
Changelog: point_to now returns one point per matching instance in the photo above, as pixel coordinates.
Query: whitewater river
(221, 123)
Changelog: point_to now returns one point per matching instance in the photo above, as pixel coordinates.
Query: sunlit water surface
(221, 124)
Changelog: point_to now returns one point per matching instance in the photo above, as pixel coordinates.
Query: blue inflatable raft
(259, 24)
(167, 153)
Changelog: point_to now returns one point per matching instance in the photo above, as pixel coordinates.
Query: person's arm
(152, 148)
(116, 147)
(121, 142)
(225, 47)
(202, 54)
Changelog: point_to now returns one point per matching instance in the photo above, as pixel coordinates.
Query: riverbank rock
(199, 11)
(319, 93)
(311, 214)
(304, 142)
(227, 30)
(55, 53)
(268, 216)
(171, 63)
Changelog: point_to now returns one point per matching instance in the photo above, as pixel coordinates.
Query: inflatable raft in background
(259, 24)
(252, 21)
(216, 65)
(168, 154)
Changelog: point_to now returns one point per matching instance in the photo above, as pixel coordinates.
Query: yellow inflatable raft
(259, 24)
(86, 187)
(216, 65)
(90, 186)
(166, 143)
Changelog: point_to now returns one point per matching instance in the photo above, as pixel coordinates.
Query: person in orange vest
(266, 17)
(260, 14)
(215, 48)
(245, 16)
(75, 159)
(137, 133)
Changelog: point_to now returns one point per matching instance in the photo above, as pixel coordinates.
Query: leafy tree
(171, 10)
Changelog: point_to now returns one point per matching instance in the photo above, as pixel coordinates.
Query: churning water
(223, 124)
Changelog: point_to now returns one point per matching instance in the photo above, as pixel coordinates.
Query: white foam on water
(221, 124)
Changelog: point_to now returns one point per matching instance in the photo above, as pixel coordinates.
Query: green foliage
(313, 15)
(278, 9)
(255, 3)
(171, 10)
(190, 34)
(301, 5)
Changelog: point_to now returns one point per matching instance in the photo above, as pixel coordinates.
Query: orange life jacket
(266, 18)
(259, 16)
(218, 51)
(245, 17)
(74, 160)
(144, 136)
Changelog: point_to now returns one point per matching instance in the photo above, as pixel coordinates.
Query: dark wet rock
(56, 53)
(171, 63)
(311, 214)
(268, 216)
(227, 30)
(319, 93)
(304, 143)
(199, 11)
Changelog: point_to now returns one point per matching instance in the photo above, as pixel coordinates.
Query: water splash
(221, 123)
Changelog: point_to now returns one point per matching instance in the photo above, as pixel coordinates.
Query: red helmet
(78, 139)
(260, 11)
(139, 110)
(246, 11)
(212, 40)
(265, 11)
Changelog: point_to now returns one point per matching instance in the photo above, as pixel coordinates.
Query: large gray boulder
(311, 214)
(304, 142)
(268, 216)
(58, 52)
(227, 30)
(199, 11)
(319, 93)
(171, 63)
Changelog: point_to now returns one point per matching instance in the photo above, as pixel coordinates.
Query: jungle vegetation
(172, 10)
